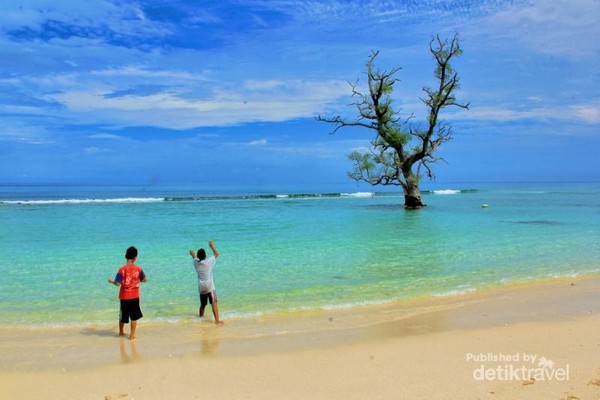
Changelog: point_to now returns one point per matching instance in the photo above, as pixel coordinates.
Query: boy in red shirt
(128, 278)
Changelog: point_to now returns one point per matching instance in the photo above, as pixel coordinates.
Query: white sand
(369, 352)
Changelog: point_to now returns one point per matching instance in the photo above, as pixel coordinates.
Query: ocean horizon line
(245, 184)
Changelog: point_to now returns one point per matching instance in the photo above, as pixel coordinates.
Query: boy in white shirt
(206, 287)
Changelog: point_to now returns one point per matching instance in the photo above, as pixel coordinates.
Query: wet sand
(454, 347)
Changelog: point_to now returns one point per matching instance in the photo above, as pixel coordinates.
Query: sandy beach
(526, 341)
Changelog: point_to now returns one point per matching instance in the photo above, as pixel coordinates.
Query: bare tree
(401, 149)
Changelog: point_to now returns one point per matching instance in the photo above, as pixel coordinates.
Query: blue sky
(225, 92)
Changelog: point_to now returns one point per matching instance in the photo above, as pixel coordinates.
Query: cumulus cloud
(220, 107)
(172, 88)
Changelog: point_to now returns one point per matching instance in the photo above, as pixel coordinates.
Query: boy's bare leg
(215, 309)
(133, 328)
(121, 327)
(201, 311)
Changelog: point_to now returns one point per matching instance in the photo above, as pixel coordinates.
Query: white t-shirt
(205, 275)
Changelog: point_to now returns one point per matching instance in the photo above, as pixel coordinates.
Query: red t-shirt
(129, 276)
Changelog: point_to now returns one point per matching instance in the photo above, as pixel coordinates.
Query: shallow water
(282, 249)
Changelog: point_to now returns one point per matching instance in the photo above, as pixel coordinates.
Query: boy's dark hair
(131, 253)
(201, 254)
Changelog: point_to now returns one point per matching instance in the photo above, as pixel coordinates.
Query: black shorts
(130, 309)
(210, 297)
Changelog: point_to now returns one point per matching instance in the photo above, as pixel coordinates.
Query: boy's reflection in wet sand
(131, 356)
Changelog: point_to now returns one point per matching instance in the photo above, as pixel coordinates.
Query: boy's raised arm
(193, 253)
(213, 248)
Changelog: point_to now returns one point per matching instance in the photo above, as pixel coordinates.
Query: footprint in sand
(120, 396)
(594, 382)
(529, 382)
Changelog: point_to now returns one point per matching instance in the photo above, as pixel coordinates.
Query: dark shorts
(210, 297)
(130, 309)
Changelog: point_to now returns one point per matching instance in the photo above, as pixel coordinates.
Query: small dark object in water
(537, 222)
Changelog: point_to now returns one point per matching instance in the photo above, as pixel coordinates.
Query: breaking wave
(187, 198)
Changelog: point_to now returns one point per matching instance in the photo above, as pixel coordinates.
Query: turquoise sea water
(282, 249)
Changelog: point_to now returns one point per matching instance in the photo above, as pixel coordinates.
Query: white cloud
(589, 113)
(87, 18)
(338, 149)
(253, 84)
(556, 28)
(132, 71)
(291, 100)
(185, 99)
(106, 136)
(260, 142)
(17, 131)
(94, 150)
(201, 16)
(582, 113)
(335, 10)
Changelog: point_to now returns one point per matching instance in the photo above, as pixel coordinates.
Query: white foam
(447, 191)
(347, 306)
(87, 201)
(359, 194)
(456, 292)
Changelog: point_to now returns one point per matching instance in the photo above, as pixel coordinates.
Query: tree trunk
(413, 202)
(412, 194)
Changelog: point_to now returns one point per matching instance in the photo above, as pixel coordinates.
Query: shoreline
(411, 342)
(547, 299)
(418, 301)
